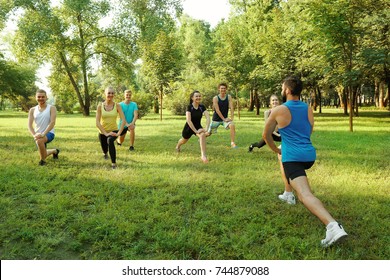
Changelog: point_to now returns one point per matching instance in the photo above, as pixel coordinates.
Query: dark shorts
(296, 169)
(188, 132)
(125, 129)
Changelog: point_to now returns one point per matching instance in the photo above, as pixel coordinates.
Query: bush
(177, 102)
(144, 102)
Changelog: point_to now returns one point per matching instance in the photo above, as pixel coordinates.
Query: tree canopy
(339, 48)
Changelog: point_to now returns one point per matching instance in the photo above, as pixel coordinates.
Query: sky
(211, 11)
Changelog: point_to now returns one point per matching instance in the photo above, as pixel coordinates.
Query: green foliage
(161, 60)
(161, 64)
(17, 83)
(161, 205)
(5, 8)
(144, 103)
(333, 46)
(196, 43)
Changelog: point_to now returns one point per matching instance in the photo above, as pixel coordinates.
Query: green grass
(160, 205)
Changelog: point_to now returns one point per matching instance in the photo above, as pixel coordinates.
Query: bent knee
(202, 135)
(41, 141)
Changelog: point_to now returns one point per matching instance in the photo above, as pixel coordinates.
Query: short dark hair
(41, 91)
(294, 84)
(222, 84)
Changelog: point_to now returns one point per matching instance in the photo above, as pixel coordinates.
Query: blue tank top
(296, 143)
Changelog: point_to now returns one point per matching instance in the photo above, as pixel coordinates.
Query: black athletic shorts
(188, 132)
(294, 169)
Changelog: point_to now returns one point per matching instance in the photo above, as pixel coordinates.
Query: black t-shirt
(196, 115)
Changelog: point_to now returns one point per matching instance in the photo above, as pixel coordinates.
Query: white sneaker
(334, 233)
(290, 199)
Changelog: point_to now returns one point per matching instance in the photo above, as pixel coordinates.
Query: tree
(344, 46)
(196, 47)
(161, 63)
(154, 20)
(16, 83)
(69, 36)
(232, 60)
(376, 50)
(258, 17)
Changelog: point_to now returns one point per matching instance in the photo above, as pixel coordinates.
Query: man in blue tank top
(295, 121)
(221, 104)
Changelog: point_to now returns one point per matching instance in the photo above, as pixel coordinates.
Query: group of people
(195, 110)
(291, 123)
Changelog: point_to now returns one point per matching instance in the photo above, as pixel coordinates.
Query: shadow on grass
(66, 217)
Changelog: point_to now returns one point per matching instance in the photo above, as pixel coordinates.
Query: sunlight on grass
(162, 205)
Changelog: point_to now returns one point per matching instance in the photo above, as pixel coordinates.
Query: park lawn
(166, 206)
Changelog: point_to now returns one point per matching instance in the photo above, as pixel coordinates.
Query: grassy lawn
(161, 205)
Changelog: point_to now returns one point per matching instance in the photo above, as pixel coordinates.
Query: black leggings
(262, 143)
(108, 145)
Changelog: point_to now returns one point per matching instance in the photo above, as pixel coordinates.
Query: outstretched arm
(98, 117)
(53, 118)
(122, 116)
(135, 118)
(231, 106)
(311, 118)
(31, 121)
(190, 123)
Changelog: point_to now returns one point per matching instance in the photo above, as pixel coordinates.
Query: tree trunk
(257, 102)
(350, 95)
(387, 98)
(74, 84)
(156, 104)
(313, 99)
(343, 98)
(376, 93)
(381, 95)
(345, 102)
(319, 98)
(87, 98)
(161, 101)
(355, 100)
(251, 100)
(238, 105)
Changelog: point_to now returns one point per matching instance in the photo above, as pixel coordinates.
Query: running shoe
(290, 199)
(334, 232)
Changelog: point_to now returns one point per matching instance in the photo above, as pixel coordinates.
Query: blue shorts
(50, 137)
